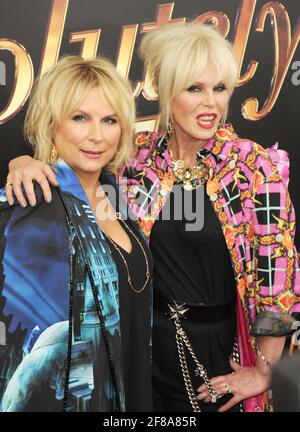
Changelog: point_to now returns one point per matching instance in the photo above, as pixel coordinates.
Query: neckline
(110, 240)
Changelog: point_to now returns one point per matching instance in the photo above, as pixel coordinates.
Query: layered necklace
(189, 178)
(118, 249)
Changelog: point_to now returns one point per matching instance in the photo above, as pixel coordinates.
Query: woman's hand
(22, 172)
(243, 383)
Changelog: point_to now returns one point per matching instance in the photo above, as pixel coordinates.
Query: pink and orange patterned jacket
(257, 217)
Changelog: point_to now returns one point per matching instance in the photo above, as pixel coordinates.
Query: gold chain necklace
(191, 178)
(124, 260)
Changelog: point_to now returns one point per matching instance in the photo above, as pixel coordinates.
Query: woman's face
(88, 138)
(197, 110)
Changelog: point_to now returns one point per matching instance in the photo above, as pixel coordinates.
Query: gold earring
(53, 156)
(170, 130)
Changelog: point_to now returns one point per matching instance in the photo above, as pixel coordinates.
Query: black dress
(191, 267)
(135, 330)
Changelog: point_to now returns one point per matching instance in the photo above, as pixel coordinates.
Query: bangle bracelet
(263, 357)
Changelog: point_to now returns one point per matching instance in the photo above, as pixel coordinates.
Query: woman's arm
(277, 284)
(23, 171)
(246, 382)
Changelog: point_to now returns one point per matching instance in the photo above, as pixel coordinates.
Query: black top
(135, 329)
(192, 267)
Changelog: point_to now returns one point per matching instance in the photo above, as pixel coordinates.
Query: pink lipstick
(92, 154)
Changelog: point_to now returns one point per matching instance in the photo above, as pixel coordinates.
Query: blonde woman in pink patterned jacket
(225, 291)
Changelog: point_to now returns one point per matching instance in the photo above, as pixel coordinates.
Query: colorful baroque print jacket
(257, 217)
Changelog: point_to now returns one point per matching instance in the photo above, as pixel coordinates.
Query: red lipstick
(206, 120)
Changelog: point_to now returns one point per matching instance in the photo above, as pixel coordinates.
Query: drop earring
(170, 130)
(53, 156)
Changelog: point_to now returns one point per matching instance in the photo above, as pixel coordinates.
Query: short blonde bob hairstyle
(176, 54)
(60, 91)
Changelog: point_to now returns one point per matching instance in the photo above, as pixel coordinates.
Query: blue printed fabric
(59, 306)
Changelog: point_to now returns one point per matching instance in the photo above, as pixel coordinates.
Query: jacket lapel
(90, 243)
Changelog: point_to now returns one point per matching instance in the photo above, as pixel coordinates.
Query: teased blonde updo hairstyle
(175, 56)
(60, 91)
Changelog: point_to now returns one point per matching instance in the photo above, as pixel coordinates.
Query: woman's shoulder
(144, 144)
(146, 139)
(251, 154)
(228, 141)
(40, 201)
(266, 160)
(249, 151)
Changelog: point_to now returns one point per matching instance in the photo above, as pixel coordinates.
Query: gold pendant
(187, 186)
(191, 178)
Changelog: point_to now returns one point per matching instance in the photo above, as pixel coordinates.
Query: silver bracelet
(263, 357)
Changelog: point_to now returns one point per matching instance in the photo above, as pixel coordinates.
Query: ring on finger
(8, 183)
(228, 389)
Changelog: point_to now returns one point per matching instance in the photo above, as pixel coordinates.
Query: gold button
(188, 186)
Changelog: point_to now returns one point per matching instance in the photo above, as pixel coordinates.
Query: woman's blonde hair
(60, 91)
(175, 55)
